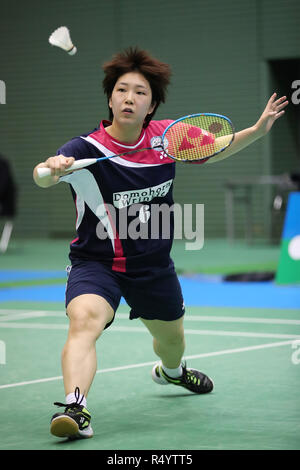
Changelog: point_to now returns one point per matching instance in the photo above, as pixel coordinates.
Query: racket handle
(43, 172)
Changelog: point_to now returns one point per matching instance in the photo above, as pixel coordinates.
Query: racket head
(197, 137)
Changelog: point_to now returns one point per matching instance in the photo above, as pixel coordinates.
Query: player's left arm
(273, 111)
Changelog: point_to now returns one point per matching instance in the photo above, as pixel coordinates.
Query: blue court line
(197, 291)
(12, 275)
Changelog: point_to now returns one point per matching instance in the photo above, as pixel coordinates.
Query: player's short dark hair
(136, 60)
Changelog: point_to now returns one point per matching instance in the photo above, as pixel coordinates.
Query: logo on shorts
(68, 270)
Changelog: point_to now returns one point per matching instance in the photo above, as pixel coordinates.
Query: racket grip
(43, 172)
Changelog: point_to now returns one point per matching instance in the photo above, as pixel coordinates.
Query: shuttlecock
(61, 38)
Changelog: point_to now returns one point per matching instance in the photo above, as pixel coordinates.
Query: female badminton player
(105, 265)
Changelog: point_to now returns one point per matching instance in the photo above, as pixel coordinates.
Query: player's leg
(89, 314)
(157, 299)
(92, 297)
(168, 340)
(169, 344)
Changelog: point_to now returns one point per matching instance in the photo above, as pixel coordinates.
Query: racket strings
(198, 137)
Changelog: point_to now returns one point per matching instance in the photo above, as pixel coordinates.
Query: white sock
(174, 373)
(70, 398)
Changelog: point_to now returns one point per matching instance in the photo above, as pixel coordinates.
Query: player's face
(131, 99)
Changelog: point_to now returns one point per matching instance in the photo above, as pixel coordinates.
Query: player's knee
(84, 320)
(89, 312)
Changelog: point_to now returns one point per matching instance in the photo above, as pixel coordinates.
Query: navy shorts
(154, 295)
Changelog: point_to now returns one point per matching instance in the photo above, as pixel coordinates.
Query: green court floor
(249, 354)
(252, 355)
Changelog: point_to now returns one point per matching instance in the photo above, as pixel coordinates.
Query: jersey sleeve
(74, 148)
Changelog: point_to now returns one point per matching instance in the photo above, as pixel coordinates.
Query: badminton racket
(188, 139)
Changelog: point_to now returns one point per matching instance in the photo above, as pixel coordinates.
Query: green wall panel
(219, 53)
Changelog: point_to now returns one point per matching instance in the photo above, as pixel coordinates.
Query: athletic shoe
(74, 423)
(191, 379)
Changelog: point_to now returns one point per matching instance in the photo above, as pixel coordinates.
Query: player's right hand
(59, 164)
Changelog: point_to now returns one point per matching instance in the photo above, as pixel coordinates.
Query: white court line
(210, 332)
(6, 315)
(134, 366)
(34, 326)
(239, 333)
(15, 314)
(137, 329)
(5, 311)
(266, 321)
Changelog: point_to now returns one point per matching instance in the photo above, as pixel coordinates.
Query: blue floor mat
(200, 290)
(239, 294)
(11, 275)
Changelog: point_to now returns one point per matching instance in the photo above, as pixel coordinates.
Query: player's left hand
(273, 111)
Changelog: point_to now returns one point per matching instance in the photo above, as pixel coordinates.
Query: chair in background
(8, 202)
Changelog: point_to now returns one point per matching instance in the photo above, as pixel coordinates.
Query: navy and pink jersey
(119, 193)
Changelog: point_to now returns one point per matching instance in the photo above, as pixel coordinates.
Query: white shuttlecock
(61, 38)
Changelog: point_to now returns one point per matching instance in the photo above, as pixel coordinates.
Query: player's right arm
(58, 165)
